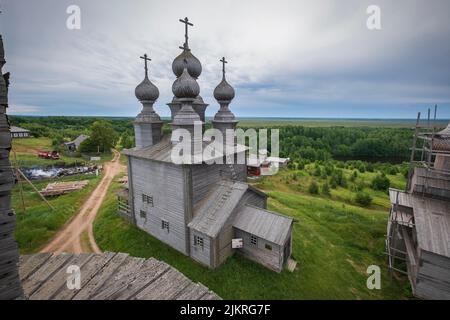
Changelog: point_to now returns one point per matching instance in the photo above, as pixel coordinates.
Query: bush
(326, 189)
(381, 182)
(313, 188)
(363, 199)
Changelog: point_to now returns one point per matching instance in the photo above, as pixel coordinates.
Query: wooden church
(206, 211)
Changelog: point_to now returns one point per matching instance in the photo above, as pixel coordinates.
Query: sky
(285, 58)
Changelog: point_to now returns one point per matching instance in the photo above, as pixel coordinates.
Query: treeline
(68, 127)
(365, 143)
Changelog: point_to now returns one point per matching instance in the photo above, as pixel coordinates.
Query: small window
(147, 199)
(143, 214)
(253, 240)
(268, 247)
(198, 241)
(165, 225)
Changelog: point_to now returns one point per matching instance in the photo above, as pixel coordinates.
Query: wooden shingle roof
(162, 151)
(270, 226)
(211, 214)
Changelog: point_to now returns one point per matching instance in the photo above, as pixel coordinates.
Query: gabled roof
(270, 226)
(78, 140)
(162, 151)
(15, 129)
(212, 213)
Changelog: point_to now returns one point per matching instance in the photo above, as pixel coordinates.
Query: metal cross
(223, 65)
(186, 24)
(146, 58)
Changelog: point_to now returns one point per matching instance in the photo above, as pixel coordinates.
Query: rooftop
(431, 218)
(15, 129)
(264, 224)
(162, 151)
(212, 213)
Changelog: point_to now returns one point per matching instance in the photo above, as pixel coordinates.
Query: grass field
(333, 241)
(37, 224)
(26, 150)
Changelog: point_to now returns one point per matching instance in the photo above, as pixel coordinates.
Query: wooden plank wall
(201, 255)
(268, 258)
(165, 183)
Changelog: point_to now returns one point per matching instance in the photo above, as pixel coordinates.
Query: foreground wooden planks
(106, 276)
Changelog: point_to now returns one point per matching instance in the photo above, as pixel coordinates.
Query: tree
(102, 138)
(364, 199)
(381, 182)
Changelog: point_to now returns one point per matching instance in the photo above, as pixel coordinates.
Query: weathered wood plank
(88, 271)
(153, 269)
(127, 272)
(32, 263)
(47, 270)
(100, 277)
(59, 280)
(166, 287)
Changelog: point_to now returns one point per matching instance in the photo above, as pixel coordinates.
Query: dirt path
(70, 238)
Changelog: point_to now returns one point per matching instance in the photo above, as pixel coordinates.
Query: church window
(147, 199)
(268, 247)
(198, 241)
(253, 240)
(165, 225)
(143, 214)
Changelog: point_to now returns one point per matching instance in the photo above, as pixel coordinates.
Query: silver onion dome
(146, 91)
(224, 91)
(187, 60)
(185, 86)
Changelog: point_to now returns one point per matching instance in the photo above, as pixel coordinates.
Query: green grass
(38, 223)
(333, 242)
(26, 150)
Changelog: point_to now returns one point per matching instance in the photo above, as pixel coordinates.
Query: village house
(73, 145)
(17, 132)
(205, 211)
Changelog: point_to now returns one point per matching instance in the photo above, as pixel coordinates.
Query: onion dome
(146, 91)
(224, 91)
(187, 60)
(185, 86)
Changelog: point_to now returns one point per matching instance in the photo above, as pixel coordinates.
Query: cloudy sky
(295, 58)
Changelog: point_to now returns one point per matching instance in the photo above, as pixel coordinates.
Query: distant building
(17, 132)
(75, 144)
(418, 241)
(199, 209)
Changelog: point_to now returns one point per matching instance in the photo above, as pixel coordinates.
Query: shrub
(313, 188)
(363, 199)
(381, 182)
(326, 189)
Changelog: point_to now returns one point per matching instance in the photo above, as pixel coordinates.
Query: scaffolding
(401, 223)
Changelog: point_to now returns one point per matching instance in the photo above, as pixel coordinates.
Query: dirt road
(77, 236)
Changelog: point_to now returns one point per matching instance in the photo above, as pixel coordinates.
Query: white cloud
(279, 51)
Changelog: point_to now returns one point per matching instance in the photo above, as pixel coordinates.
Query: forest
(297, 142)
